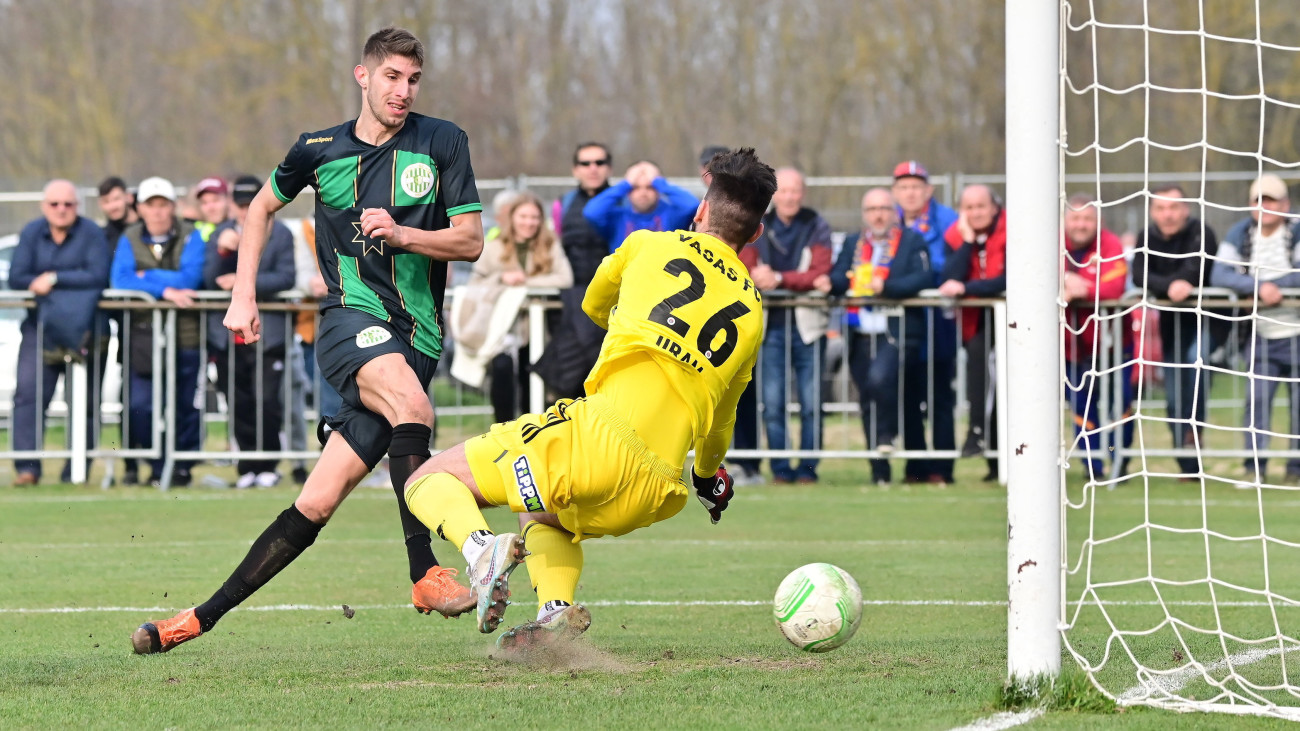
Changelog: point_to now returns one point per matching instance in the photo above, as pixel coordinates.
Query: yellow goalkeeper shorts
(581, 461)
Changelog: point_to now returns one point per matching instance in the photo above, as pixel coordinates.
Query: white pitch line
(597, 603)
(1004, 720)
(143, 543)
(1168, 684)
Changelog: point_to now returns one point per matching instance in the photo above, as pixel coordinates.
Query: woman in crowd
(525, 253)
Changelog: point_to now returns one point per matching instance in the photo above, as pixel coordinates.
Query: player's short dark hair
(739, 193)
(110, 184)
(708, 152)
(1162, 188)
(584, 145)
(392, 42)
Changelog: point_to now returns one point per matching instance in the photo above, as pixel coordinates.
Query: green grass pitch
(682, 634)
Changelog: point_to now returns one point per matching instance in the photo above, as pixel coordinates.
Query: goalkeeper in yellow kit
(685, 323)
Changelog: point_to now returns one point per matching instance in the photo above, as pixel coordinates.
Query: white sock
(550, 609)
(475, 545)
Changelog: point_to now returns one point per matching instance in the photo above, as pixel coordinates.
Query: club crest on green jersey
(417, 180)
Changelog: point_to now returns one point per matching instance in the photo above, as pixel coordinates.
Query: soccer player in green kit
(395, 201)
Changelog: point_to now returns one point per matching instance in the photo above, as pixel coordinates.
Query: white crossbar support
(1033, 327)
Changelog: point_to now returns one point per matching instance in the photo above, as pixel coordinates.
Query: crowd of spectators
(902, 362)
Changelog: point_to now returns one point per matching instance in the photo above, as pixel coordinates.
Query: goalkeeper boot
(490, 574)
(439, 592)
(566, 622)
(161, 636)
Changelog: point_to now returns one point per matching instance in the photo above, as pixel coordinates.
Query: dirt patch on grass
(564, 656)
(767, 663)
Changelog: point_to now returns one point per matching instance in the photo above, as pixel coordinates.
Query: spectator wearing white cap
(1259, 257)
(162, 256)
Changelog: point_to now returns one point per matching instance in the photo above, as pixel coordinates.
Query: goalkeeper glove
(714, 492)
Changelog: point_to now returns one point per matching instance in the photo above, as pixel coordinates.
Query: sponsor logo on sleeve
(527, 486)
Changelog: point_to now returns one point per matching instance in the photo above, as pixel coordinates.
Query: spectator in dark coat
(889, 261)
(793, 251)
(1172, 260)
(251, 376)
(61, 259)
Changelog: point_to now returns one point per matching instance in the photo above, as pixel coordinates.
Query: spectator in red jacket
(1095, 269)
(976, 267)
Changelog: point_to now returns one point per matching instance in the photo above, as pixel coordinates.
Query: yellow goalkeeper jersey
(684, 301)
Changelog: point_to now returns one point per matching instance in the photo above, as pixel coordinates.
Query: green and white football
(818, 607)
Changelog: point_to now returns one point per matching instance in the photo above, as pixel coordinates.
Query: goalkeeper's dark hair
(740, 190)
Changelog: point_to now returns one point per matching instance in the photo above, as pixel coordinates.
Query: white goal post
(1151, 541)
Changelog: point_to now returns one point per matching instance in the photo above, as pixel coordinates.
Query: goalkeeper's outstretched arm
(712, 447)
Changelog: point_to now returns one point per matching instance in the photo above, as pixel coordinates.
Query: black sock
(406, 452)
(277, 547)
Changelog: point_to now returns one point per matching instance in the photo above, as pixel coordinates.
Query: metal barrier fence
(928, 373)
(890, 383)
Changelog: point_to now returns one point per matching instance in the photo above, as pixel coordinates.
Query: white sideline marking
(597, 603)
(1171, 683)
(999, 721)
(144, 543)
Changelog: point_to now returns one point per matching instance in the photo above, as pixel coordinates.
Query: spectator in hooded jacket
(251, 376)
(60, 259)
(884, 260)
(1095, 269)
(642, 201)
(919, 211)
(794, 250)
(1259, 257)
(976, 267)
(1171, 262)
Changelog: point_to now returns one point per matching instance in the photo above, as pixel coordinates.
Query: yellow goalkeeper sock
(554, 562)
(445, 505)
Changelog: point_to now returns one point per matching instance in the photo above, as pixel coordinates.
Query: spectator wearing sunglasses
(642, 201)
(60, 259)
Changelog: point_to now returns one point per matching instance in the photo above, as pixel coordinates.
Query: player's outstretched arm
(242, 317)
(463, 241)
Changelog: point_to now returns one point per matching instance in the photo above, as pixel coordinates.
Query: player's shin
(282, 542)
(408, 450)
(445, 504)
(554, 563)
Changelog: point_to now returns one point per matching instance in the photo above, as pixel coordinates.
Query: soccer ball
(818, 607)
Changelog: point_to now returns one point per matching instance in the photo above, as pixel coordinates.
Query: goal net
(1181, 517)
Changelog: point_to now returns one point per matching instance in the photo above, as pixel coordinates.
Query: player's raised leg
(292, 532)
(444, 495)
(389, 387)
(554, 565)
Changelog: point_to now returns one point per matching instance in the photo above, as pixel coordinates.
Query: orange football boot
(154, 637)
(439, 592)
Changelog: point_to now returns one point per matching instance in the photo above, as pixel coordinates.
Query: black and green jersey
(422, 177)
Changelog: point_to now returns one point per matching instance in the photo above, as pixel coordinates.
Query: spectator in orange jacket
(1095, 269)
(976, 267)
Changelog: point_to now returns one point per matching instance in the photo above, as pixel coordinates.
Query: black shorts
(346, 340)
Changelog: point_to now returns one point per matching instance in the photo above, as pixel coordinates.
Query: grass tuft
(1071, 691)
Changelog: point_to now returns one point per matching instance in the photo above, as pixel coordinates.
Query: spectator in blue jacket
(60, 259)
(889, 261)
(251, 376)
(162, 256)
(643, 200)
(919, 211)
